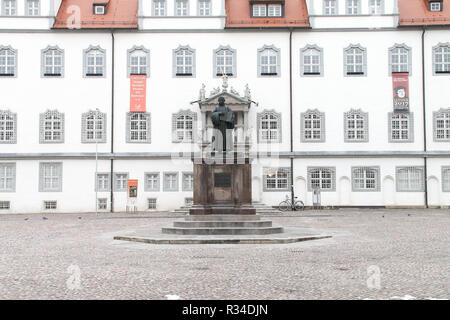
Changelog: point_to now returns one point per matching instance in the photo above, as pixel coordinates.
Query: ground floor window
(102, 204)
(188, 181)
(446, 179)
(120, 181)
(152, 181)
(410, 179)
(5, 205)
(171, 181)
(277, 179)
(323, 178)
(50, 205)
(366, 179)
(151, 203)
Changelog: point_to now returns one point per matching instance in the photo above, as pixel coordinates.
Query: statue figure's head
(221, 101)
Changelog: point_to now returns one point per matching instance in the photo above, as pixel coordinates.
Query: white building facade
(323, 113)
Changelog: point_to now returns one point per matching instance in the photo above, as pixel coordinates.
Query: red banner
(138, 93)
(132, 187)
(400, 83)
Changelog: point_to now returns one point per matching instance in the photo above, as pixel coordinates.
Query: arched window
(52, 62)
(184, 124)
(8, 62)
(138, 61)
(94, 62)
(184, 62)
(269, 126)
(51, 127)
(356, 126)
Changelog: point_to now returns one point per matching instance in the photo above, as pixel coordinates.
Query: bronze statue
(223, 118)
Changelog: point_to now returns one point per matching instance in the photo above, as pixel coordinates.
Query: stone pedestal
(222, 185)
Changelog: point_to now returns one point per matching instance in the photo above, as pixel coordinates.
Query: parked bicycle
(295, 205)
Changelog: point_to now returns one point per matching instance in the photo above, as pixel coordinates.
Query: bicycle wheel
(299, 205)
(283, 206)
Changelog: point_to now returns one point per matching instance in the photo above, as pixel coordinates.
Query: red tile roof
(417, 13)
(238, 15)
(120, 14)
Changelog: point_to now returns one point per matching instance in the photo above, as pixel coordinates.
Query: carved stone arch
(130, 53)
(259, 118)
(175, 117)
(234, 57)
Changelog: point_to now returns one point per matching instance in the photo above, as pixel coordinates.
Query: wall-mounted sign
(138, 93)
(132, 188)
(400, 83)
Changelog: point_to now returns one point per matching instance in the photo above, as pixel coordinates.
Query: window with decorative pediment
(51, 127)
(93, 127)
(184, 124)
(52, 64)
(138, 127)
(441, 59)
(8, 62)
(184, 62)
(225, 61)
(8, 127)
(311, 61)
(441, 125)
(312, 126)
(400, 59)
(401, 127)
(138, 61)
(356, 126)
(269, 61)
(94, 62)
(269, 127)
(355, 61)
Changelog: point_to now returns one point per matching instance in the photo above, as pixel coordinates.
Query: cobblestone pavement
(74, 257)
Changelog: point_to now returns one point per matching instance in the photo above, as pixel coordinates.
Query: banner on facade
(132, 188)
(138, 93)
(400, 82)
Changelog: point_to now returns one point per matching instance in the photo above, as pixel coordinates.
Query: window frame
(184, 113)
(391, 54)
(27, 12)
(184, 186)
(277, 65)
(12, 166)
(364, 61)
(108, 180)
(84, 131)
(154, 9)
(43, 64)
(175, 53)
(399, 188)
(148, 130)
(365, 118)
(122, 188)
(441, 45)
(233, 66)
(267, 170)
(8, 113)
(42, 177)
(444, 169)
(303, 126)
(14, 53)
(199, 9)
(9, 8)
(147, 57)
(347, 7)
(382, 7)
(324, 8)
(147, 187)
(377, 187)
(175, 7)
(333, 178)
(165, 187)
(436, 115)
(42, 130)
(410, 127)
(432, 3)
(86, 66)
(278, 120)
(302, 61)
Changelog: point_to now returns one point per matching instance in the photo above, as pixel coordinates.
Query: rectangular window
(9, 7)
(274, 10)
(181, 7)
(8, 127)
(366, 179)
(120, 182)
(102, 204)
(5, 205)
(152, 181)
(410, 179)
(352, 7)
(400, 59)
(184, 62)
(401, 127)
(103, 183)
(355, 61)
(159, 7)
(442, 59)
(268, 62)
(33, 7)
(151, 204)
(224, 62)
(94, 63)
(50, 177)
(170, 181)
(53, 63)
(99, 9)
(7, 177)
(93, 127)
(259, 10)
(356, 126)
(376, 6)
(277, 179)
(329, 7)
(322, 178)
(50, 205)
(204, 7)
(7, 62)
(445, 179)
(435, 6)
(188, 181)
(311, 61)
(442, 125)
(138, 127)
(312, 126)
(51, 127)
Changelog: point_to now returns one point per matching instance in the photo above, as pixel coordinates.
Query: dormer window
(435, 6)
(99, 9)
(270, 9)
